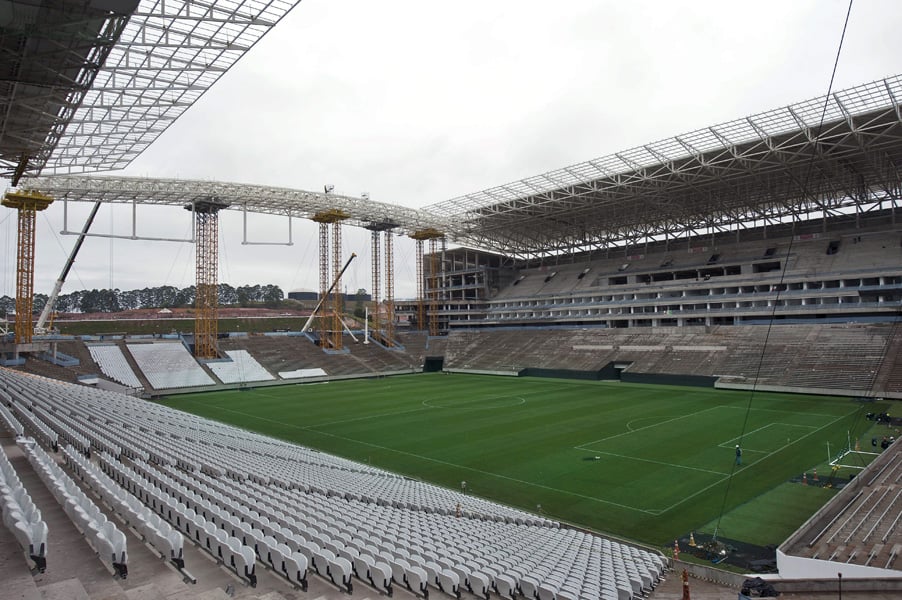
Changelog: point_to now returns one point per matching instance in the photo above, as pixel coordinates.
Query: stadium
(613, 374)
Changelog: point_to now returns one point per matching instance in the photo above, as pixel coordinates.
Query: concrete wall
(812, 568)
(803, 390)
(484, 372)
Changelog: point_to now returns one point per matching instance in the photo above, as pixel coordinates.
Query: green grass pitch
(665, 455)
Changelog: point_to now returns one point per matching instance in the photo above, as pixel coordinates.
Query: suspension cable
(804, 190)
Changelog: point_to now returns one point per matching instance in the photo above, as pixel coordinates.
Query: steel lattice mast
(337, 304)
(324, 299)
(27, 204)
(432, 286)
(389, 323)
(423, 294)
(383, 321)
(331, 305)
(206, 300)
(376, 264)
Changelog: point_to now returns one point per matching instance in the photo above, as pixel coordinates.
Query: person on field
(738, 455)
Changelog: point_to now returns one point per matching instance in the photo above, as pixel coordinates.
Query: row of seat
(7, 420)
(228, 549)
(169, 365)
(275, 547)
(388, 555)
(287, 466)
(112, 362)
(64, 431)
(21, 516)
(295, 509)
(34, 425)
(241, 368)
(103, 535)
(152, 528)
(61, 422)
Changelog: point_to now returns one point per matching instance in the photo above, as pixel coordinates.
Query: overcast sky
(416, 102)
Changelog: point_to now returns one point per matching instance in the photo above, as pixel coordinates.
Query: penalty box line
(734, 441)
(488, 473)
(586, 445)
(655, 462)
(705, 489)
(313, 428)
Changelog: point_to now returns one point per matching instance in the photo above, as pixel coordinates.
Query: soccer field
(644, 462)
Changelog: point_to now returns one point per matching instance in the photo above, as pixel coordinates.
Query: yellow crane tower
(27, 203)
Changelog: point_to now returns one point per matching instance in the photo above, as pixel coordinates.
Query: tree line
(164, 296)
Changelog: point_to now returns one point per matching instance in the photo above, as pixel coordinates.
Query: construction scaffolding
(337, 303)
(383, 306)
(376, 264)
(427, 319)
(388, 324)
(432, 286)
(325, 303)
(27, 204)
(421, 284)
(330, 322)
(206, 301)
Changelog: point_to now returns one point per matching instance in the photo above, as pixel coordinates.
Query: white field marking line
(435, 460)
(489, 473)
(473, 404)
(253, 392)
(313, 427)
(617, 435)
(364, 418)
(790, 412)
(705, 489)
(629, 425)
(659, 462)
(732, 441)
(859, 467)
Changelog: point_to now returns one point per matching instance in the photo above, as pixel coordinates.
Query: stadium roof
(87, 85)
(263, 199)
(760, 169)
(764, 169)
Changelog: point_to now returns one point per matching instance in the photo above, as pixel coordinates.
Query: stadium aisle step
(74, 557)
(76, 560)
(271, 596)
(18, 582)
(145, 592)
(67, 589)
(212, 594)
(21, 587)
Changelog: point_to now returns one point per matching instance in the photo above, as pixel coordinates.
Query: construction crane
(39, 328)
(329, 291)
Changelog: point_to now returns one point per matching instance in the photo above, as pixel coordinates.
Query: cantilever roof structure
(768, 168)
(238, 196)
(91, 83)
(746, 172)
(51, 55)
